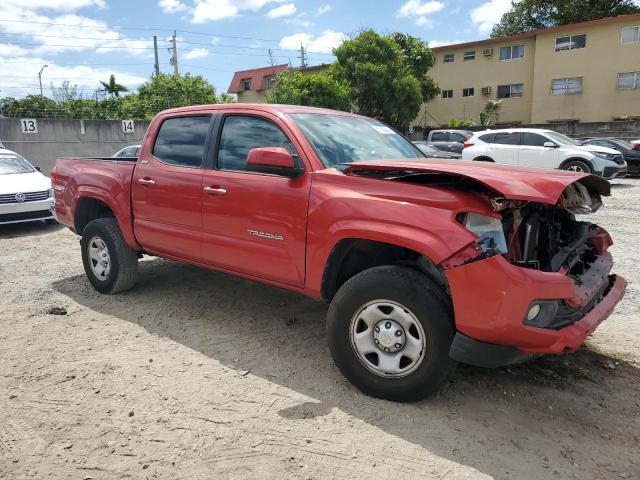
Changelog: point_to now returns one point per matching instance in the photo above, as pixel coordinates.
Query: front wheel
(110, 264)
(577, 166)
(389, 330)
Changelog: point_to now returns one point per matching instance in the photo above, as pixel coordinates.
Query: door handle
(146, 181)
(215, 190)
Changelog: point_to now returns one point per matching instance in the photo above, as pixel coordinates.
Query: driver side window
(241, 133)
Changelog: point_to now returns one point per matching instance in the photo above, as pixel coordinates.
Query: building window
(448, 58)
(571, 42)
(268, 82)
(468, 92)
(629, 80)
(469, 55)
(246, 83)
(447, 93)
(631, 34)
(511, 52)
(566, 86)
(509, 91)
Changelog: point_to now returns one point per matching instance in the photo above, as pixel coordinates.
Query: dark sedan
(631, 156)
(433, 152)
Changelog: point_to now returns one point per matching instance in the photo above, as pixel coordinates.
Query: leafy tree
(380, 77)
(169, 91)
(526, 15)
(489, 113)
(316, 90)
(30, 106)
(419, 58)
(226, 98)
(64, 92)
(112, 87)
(457, 123)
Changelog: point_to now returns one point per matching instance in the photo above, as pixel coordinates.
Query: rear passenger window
(487, 137)
(242, 133)
(181, 140)
(457, 137)
(533, 140)
(440, 137)
(507, 138)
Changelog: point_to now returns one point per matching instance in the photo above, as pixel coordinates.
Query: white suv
(543, 149)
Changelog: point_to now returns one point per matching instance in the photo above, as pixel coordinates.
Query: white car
(131, 151)
(540, 148)
(25, 193)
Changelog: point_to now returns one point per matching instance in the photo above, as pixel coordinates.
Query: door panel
(254, 223)
(534, 154)
(505, 148)
(167, 189)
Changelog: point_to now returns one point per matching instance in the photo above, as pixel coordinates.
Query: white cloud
(298, 21)
(442, 43)
(60, 5)
(419, 10)
(488, 14)
(219, 9)
(327, 8)
(284, 10)
(324, 43)
(196, 53)
(172, 6)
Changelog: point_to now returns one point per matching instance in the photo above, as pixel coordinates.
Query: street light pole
(40, 78)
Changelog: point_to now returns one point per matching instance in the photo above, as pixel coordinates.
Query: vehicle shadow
(15, 230)
(557, 412)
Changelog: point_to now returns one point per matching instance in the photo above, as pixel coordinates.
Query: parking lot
(194, 374)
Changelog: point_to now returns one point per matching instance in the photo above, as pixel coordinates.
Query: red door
(254, 223)
(167, 189)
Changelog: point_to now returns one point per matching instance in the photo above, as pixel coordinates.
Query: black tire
(484, 159)
(428, 303)
(123, 272)
(577, 166)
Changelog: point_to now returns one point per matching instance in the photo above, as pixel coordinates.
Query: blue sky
(84, 41)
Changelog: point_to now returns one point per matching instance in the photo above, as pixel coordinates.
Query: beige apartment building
(587, 72)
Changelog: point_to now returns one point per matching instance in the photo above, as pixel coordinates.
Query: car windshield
(622, 143)
(561, 139)
(339, 139)
(13, 163)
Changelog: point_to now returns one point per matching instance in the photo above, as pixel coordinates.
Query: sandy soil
(198, 375)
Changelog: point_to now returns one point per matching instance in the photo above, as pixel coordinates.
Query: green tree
(226, 98)
(37, 106)
(112, 87)
(380, 78)
(489, 113)
(169, 91)
(419, 58)
(315, 90)
(457, 123)
(526, 15)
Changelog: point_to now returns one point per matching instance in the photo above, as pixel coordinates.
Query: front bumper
(612, 172)
(26, 211)
(491, 298)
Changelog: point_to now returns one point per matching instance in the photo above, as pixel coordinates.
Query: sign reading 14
(127, 126)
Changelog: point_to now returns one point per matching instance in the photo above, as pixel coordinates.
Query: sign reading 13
(29, 125)
(127, 126)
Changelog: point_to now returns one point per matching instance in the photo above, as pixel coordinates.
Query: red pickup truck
(425, 262)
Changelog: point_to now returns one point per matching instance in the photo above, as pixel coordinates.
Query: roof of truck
(263, 107)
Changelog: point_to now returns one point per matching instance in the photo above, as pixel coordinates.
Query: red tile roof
(257, 77)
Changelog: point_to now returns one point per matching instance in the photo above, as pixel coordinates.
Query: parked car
(433, 152)
(25, 193)
(543, 149)
(635, 144)
(448, 140)
(128, 152)
(631, 156)
(343, 209)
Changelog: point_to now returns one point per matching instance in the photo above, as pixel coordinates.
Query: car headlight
(605, 156)
(489, 231)
(51, 193)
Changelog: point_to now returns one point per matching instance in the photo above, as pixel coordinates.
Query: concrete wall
(68, 138)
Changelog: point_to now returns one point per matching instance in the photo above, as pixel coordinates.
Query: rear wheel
(389, 330)
(110, 264)
(483, 159)
(577, 166)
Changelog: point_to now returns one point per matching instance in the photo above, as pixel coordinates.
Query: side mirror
(273, 160)
(550, 145)
(37, 168)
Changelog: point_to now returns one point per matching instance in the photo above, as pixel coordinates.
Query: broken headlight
(489, 231)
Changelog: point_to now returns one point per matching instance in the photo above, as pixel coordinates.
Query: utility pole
(271, 59)
(155, 50)
(303, 60)
(40, 78)
(174, 54)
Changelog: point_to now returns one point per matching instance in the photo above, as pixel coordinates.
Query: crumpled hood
(514, 183)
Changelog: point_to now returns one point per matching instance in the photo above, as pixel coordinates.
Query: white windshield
(561, 138)
(13, 163)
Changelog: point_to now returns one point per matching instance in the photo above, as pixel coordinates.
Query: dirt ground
(198, 375)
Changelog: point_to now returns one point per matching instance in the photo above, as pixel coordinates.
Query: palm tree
(489, 113)
(112, 87)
